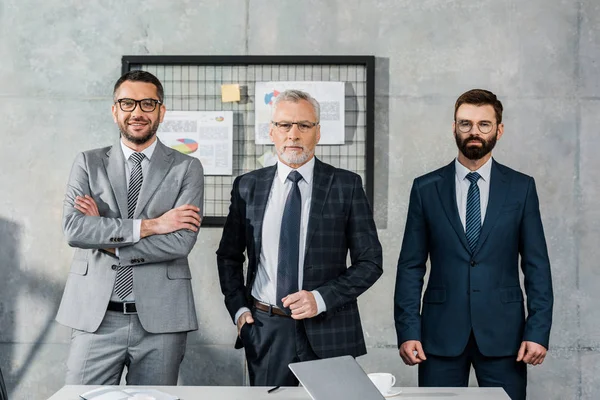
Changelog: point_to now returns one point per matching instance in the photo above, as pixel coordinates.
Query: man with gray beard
(297, 221)
(132, 211)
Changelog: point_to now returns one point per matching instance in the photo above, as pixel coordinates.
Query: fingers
(408, 350)
(189, 207)
(86, 205)
(531, 353)
(245, 318)
(291, 299)
(302, 304)
(521, 352)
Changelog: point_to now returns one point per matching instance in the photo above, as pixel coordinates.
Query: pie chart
(185, 146)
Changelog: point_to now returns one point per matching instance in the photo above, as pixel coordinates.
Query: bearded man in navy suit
(473, 219)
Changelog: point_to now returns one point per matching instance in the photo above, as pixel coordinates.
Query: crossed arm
(170, 236)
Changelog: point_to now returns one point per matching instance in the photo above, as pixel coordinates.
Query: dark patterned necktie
(124, 280)
(289, 242)
(473, 218)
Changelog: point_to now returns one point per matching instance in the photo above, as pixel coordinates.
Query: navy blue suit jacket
(477, 291)
(340, 221)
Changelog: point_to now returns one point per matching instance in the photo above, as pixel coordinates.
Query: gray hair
(295, 96)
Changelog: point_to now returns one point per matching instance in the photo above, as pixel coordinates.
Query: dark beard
(475, 153)
(140, 140)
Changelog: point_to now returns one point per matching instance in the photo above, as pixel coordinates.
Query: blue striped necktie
(473, 218)
(124, 280)
(289, 242)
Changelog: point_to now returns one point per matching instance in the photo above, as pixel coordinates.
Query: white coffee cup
(383, 381)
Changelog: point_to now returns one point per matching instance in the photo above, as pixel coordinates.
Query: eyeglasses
(147, 105)
(286, 126)
(465, 126)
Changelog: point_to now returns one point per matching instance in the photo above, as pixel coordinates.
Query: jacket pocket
(179, 270)
(79, 267)
(511, 294)
(435, 296)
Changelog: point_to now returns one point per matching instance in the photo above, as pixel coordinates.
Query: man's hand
(87, 206)
(531, 353)
(183, 217)
(302, 304)
(407, 352)
(245, 318)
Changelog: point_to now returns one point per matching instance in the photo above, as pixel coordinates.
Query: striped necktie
(124, 280)
(473, 218)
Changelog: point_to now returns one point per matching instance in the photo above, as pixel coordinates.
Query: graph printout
(330, 96)
(205, 135)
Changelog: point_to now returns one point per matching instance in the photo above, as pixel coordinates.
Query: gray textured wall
(59, 59)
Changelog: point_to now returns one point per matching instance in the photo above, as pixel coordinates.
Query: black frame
(127, 62)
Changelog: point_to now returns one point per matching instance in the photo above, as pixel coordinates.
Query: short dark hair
(480, 97)
(141, 76)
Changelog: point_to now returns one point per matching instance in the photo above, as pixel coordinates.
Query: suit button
(142, 260)
(473, 263)
(121, 239)
(114, 267)
(111, 240)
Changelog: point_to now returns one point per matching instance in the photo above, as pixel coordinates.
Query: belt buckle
(125, 303)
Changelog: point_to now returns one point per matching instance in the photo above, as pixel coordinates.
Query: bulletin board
(193, 83)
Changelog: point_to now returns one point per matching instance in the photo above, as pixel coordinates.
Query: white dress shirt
(462, 188)
(264, 288)
(137, 223)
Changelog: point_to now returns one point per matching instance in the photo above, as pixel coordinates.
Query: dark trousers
(271, 343)
(503, 372)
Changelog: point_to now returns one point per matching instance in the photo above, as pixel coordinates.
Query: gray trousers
(99, 358)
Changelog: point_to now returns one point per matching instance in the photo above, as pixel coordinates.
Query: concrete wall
(59, 60)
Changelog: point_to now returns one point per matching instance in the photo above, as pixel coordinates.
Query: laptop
(335, 378)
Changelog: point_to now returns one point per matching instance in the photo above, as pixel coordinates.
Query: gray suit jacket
(161, 274)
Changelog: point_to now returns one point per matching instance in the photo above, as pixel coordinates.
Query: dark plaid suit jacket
(340, 220)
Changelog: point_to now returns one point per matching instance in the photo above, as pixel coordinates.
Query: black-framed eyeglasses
(465, 126)
(147, 105)
(286, 126)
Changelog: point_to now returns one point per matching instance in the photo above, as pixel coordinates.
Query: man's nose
(294, 133)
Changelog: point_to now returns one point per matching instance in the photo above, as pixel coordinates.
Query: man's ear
(114, 112)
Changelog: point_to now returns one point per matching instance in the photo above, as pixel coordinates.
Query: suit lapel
(115, 169)
(322, 180)
(159, 166)
(261, 197)
(447, 192)
(498, 191)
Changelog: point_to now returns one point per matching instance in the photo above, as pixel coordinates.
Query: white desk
(70, 392)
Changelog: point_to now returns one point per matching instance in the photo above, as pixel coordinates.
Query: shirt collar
(307, 171)
(148, 151)
(484, 171)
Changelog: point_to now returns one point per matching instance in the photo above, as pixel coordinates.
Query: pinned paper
(230, 93)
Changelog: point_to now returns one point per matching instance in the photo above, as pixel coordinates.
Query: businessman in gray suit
(132, 212)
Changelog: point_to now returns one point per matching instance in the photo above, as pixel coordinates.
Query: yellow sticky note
(230, 93)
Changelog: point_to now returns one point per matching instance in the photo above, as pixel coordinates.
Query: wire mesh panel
(193, 83)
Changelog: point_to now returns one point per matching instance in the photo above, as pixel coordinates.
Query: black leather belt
(270, 309)
(127, 307)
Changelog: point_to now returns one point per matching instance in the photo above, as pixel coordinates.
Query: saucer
(392, 393)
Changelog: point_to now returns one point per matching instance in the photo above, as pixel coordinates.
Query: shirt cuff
(137, 230)
(240, 312)
(321, 307)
